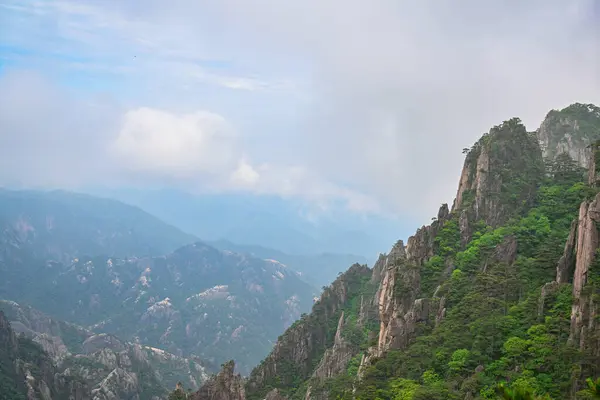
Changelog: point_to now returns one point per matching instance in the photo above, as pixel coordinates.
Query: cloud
(159, 142)
(245, 175)
(54, 138)
(371, 102)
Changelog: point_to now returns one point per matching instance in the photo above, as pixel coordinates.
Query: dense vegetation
(506, 328)
(498, 328)
(320, 326)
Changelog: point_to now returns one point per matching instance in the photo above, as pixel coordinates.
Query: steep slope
(96, 358)
(502, 287)
(197, 300)
(27, 372)
(299, 350)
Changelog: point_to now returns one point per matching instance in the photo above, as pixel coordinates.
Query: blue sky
(367, 104)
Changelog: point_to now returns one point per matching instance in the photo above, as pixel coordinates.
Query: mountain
(196, 300)
(61, 225)
(104, 364)
(267, 221)
(316, 269)
(100, 264)
(496, 298)
(570, 130)
(27, 372)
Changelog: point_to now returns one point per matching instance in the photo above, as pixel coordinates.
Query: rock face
(580, 257)
(584, 325)
(336, 358)
(570, 130)
(304, 344)
(26, 370)
(110, 367)
(500, 176)
(566, 264)
(223, 386)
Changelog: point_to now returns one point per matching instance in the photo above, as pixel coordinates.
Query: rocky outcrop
(499, 177)
(274, 395)
(102, 341)
(304, 344)
(336, 358)
(566, 263)
(584, 310)
(399, 308)
(103, 361)
(119, 384)
(224, 386)
(26, 370)
(570, 130)
(420, 247)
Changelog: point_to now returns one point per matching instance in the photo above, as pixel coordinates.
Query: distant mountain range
(114, 268)
(316, 269)
(267, 221)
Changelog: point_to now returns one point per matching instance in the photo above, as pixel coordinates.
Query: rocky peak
(570, 130)
(336, 358)
(500, 175)
(305, 344)
(224, 386)
(420, 246)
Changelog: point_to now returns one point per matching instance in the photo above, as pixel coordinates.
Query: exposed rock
(488, 181)
(399, 308)
(274, 395)
(566, 263)
(568, 131)
(583, 313)
(119, 384)
(102, 341)
(223, 386)
(304, 344)
(587, 242)
(99, 355)
(336, 358)
(420, 246)
(32, 372)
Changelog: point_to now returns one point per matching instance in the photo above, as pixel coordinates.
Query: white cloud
(163, 143)
(245, 175)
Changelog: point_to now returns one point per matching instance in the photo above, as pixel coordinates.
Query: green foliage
(493, 331)
(320, 326)
(178, 394)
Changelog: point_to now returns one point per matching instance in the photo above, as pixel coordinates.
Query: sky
(367, 104)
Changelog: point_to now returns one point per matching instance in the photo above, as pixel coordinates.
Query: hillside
(103, 364)
(497, 298)
(111, 268)
(197, 300)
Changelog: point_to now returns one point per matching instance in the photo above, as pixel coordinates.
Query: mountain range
(289, 226)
